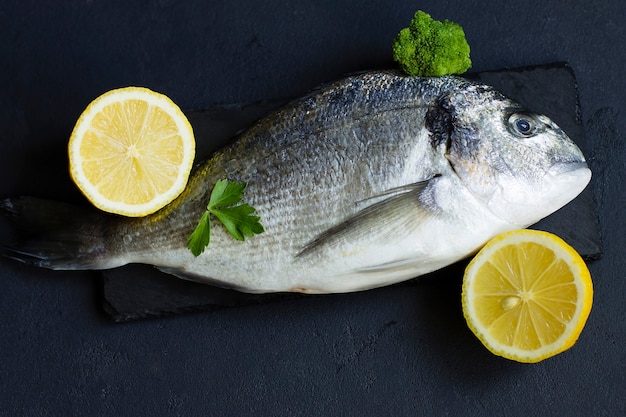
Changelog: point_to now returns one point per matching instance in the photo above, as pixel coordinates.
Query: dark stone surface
(138, 292)
(401, 350)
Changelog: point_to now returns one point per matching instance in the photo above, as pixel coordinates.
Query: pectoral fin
(395, 212)
(178, 273)
(394, 267)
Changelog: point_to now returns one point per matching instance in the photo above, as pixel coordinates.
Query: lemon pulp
(527, 295)
(131, 151)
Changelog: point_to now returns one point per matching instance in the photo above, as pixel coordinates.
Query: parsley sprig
(227, 206)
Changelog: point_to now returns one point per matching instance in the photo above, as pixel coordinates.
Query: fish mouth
(568, 180)
(568, 167)
(561, 183)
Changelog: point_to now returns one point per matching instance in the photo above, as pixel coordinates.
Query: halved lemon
(527, 295)
(131, 151)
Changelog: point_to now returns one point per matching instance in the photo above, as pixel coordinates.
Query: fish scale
(364, 182)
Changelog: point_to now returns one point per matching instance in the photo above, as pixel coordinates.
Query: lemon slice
(527, 295)
(131, 151)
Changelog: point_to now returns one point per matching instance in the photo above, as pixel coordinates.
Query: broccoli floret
(429, 47)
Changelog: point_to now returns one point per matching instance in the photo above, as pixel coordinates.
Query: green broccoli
(431, 48)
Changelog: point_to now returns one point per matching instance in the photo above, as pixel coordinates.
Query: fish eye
(523, 125)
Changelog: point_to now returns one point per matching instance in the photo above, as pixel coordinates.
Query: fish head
(520, 163)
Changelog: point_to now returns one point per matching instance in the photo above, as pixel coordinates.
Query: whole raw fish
(368, 181)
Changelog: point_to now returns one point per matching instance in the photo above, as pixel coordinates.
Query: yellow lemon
(527, 295)
(131, 151)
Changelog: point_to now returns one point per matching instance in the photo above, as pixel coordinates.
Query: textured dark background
(403, 350)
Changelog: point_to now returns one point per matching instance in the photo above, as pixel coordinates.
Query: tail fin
(55, 235)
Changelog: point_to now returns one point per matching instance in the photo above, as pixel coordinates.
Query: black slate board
(140, 291)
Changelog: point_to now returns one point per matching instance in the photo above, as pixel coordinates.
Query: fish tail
(56, 235)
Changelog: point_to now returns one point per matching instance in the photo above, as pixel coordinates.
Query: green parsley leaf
(239, 221)
(201, 236)
(226, 193)
(226, 205)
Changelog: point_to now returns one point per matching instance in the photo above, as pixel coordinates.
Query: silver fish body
(365, 182)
